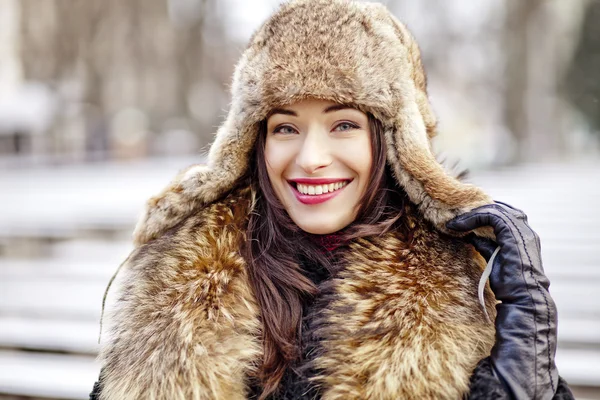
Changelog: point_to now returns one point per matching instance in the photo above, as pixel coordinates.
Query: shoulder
(416, 289)
(184, 301)
(417, 262)
(192, 261)
(416, 241)
(454, 267)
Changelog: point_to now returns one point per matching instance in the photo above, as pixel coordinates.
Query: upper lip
(318, 181)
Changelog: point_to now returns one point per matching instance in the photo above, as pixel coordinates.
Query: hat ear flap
(199, 185)
(228, 160)
(439, 196)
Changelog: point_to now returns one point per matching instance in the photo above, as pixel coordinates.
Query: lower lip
(316, 198)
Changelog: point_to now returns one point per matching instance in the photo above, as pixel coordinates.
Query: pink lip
(318, 198)
(318, 181)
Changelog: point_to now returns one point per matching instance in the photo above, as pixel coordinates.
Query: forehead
(311, 105)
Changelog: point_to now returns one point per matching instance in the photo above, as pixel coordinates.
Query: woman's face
(318, 156)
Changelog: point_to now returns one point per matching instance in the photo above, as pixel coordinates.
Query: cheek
(359, 158)
(366, 163)
(277, 160)
(272, 165)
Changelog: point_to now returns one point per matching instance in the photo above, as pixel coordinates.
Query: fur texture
(186, 325)
(366, 58)
(398, 320)
(401, 320)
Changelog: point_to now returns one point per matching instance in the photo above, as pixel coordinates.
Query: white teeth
(320, 189)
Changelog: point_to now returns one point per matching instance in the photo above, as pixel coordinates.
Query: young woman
(323, 252)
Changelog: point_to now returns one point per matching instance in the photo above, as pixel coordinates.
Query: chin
(321, 227)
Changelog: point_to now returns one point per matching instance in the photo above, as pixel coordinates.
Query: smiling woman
(312, 258)
(318, 157)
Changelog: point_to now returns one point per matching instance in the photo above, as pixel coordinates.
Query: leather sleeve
(485, 385)
(95, 395)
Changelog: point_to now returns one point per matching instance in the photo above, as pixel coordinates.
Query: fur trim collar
(399, 320)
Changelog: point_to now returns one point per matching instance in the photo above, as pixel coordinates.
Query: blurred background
(102, 102)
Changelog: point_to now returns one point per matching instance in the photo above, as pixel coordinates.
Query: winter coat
(399, 319)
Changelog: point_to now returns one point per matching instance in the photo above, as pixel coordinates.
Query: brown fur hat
(347, 52)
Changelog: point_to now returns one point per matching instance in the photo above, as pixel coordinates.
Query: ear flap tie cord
(483, 280)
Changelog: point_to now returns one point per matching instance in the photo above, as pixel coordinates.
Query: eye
(284, 130)
(346, 126)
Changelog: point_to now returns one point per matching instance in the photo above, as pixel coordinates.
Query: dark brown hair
(276, 244)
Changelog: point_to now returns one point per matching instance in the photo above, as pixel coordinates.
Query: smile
(315, 191)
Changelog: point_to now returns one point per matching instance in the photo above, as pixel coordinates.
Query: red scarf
(328, 242)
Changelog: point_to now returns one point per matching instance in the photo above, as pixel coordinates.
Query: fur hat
(338, 50)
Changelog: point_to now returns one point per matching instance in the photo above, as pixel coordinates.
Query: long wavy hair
(275, 244)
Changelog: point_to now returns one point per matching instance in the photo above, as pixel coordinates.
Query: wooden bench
(49, 319)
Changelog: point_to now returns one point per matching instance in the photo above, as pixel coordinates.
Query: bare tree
(120, 54)
(519, 15)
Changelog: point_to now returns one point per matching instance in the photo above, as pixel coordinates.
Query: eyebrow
(335, 107)
(283, 111)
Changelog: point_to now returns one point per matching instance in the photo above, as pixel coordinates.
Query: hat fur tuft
(366, 58)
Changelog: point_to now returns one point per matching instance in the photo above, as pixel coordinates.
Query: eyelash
(352, 126)
(276, 131)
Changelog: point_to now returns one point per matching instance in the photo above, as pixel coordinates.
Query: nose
(315, 152)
